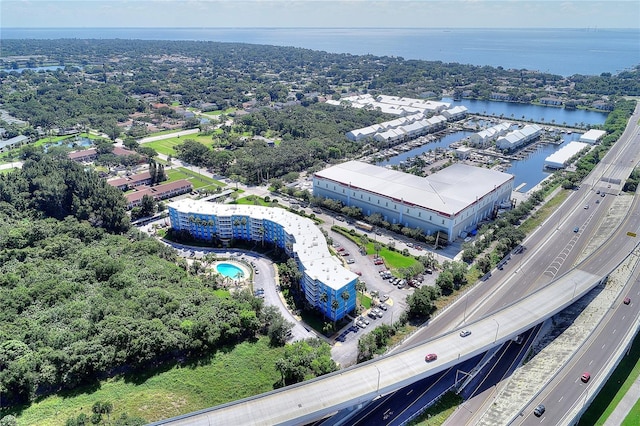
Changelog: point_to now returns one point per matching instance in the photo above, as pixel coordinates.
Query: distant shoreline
(560, 51)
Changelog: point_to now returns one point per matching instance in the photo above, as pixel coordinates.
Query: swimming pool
(229, 270)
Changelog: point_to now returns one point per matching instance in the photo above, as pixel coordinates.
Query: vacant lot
(228, 375)
(167, 146)
(198, 180)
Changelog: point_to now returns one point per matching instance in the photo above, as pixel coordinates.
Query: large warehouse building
(453, 200)
(322, 273)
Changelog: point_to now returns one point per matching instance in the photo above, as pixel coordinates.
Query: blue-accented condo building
(322, 273)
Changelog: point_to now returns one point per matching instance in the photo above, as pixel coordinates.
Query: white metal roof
(592, 136)
(559, 158)
(449, 191)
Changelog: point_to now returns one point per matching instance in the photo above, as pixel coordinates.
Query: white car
(465, 333)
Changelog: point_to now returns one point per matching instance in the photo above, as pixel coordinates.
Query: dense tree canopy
(82, 295)
(53, 187)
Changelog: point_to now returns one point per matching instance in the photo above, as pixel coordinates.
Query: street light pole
(378, 387)
(497, 328)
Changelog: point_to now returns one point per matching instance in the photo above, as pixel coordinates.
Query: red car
(430, 357)
(626, 300)
(585, 377)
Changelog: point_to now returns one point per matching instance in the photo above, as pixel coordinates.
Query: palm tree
(323, 298)
(334, 307)
(345, 296)
(377, 247)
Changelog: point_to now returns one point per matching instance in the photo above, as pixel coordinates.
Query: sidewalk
(625, 405)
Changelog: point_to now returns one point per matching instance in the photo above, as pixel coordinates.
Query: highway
(311, 400)
(521, 276)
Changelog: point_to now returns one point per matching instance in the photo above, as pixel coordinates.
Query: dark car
(539, 410)
(576, 229)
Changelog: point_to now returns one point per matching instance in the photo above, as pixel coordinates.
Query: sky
(321, 14)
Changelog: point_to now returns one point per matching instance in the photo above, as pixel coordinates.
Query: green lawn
(393, 259)
(253, 200)
(198, 180)
(439, 412)
(230, 374)
(167, 146)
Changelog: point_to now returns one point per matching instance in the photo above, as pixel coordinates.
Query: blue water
(557, 51)
(229, 270)
(536, 113)
(530, 170)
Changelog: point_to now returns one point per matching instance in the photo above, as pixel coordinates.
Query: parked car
(344, 253)
(383, 306)
(465, 333)
(430, 357)
(585, 377)
(378, 312)
(372, 315)
(384, 297)
(365, 320)
(361, 324)
(351, 260)
(539, 410)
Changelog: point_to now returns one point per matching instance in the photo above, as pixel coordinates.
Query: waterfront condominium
(453, 200)
(326, 283)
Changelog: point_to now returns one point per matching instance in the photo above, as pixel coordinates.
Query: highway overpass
(311, 400)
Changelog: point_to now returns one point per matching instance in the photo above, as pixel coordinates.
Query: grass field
(230, 374)
(167, 146)
(438, 412)
(253, 200)
(197, 180)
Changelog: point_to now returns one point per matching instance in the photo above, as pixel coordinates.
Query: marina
(430, 153)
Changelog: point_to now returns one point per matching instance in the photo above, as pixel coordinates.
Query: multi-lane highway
(597, 225)
(556, 240)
